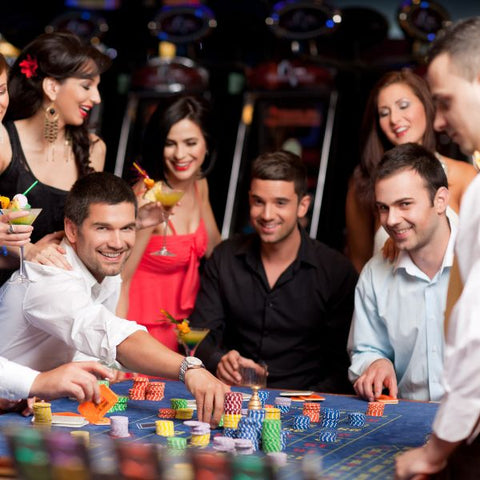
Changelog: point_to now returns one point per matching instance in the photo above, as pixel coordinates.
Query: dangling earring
(50, 127)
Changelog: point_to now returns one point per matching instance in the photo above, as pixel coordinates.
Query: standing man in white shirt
(454, 78)
(45, 322)
(396, 336)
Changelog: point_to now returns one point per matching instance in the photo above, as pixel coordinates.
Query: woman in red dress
(175, 150)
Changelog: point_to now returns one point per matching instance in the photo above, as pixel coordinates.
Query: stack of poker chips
(42, 413)
(120, 406)
(82, 436)
(278, 459)
(257, 414)
(164, 428)
(222, 443)
(166, 413)
(176, 443)
(375, 409)
(312, 410)
(272, 435)
(263, 395)
(244, 446)
(272, 413)
(250, 428)
(301, 422)
(330, 417)
(155, 391)
(138, 390)
(283, 403)
(356, 419)
(233, 402)
(200, 433)
(177, 403)
(119, 426)
(327, 436)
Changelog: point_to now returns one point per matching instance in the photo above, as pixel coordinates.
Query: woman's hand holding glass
(14, 235)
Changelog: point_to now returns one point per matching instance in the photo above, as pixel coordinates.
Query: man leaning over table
(276, 295)
(453, 449)
(396, 337)
(44, 323)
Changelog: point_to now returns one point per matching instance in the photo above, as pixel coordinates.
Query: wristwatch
(189, 363)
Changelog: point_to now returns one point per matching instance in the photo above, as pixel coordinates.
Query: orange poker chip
(387, 399)
(94, 412)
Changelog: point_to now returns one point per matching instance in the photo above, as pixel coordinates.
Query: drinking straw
(142, 172)
(30, 187)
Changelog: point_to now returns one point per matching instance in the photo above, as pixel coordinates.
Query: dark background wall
(369, 43)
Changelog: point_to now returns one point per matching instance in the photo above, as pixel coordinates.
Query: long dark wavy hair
(178, 108)
(59, 55)
(374, 143)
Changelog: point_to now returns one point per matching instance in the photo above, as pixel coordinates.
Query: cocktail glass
(168, 197)
(27, 219)
(254, 377)
(191, 340)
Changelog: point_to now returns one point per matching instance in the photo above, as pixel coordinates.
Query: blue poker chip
(230, 432)
(327, 436)
(301, 422)
(332, 413)
(329, 423)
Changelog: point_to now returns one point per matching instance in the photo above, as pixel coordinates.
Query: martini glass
(168, 197)
(255, 378)
(27, 219)
(191, 340)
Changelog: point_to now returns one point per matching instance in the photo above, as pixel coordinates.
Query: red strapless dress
(169, 283)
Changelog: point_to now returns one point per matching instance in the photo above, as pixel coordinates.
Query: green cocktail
(27, 219)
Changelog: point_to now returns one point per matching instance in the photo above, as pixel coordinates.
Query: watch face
(194, 361)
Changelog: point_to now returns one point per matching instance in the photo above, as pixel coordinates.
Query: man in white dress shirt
(454, 78)
(44, 323)
(396, 336)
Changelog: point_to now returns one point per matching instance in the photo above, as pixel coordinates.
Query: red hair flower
(29, 66)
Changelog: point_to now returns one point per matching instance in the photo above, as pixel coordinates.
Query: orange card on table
(94, 412)
(388, 399)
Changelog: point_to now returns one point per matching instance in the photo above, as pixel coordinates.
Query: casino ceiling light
(303, 19)
(422, 20)
(182, 23)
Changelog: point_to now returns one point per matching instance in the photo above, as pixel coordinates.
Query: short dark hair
(460, 41)
(281, 165)
(411, 156)
(97, 187)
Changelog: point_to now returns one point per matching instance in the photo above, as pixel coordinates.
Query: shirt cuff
(16, 381)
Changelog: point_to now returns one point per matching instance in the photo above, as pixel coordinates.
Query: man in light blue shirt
(396, 337)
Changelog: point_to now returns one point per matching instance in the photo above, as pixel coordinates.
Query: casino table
(358, 453)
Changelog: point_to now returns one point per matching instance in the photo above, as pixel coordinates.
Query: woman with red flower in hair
(53, 86)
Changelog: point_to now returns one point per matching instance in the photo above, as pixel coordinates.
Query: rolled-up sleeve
(62, 306)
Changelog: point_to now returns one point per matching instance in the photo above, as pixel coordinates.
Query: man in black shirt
(277, 296)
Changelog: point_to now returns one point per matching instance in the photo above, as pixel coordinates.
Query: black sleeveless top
(18, 177)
